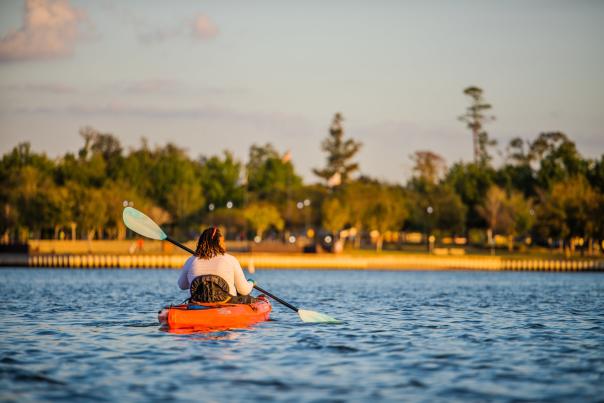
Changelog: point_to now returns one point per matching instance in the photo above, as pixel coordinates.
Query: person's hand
(251, 281)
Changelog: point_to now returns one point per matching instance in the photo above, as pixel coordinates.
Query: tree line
(545, 191)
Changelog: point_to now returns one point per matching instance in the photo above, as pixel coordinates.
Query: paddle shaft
(290, 306)
(181, 246)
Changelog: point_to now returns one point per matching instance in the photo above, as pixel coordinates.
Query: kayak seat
(209, 288)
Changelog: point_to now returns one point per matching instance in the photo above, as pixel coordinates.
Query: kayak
(212, 316)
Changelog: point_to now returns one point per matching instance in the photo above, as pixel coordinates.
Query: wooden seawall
(308, 261)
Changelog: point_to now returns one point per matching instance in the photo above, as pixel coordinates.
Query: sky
(216, 75)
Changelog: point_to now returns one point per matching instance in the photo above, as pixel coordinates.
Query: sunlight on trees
(544, 192)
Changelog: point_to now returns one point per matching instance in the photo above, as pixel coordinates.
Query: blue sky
(214, 75)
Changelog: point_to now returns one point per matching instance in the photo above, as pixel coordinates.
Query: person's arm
(241, 284)
(183, 280)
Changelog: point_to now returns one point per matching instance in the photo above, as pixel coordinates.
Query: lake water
(92, 335)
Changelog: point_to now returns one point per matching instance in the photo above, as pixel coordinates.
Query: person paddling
(214, 276)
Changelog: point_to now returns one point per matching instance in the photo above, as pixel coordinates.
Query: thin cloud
(50, 29)
(171, 86)
(204, 27)
(150, 86)
(119, 109)
(201, 28)
(150, 37)
(44, 88)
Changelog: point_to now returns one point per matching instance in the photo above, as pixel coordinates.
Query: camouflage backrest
(209, 288)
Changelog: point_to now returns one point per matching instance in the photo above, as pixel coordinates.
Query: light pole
(211, 210)
(307, 213)
(429, 238)
(304, 206)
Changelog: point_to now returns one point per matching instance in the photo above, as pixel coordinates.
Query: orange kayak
(212, 316)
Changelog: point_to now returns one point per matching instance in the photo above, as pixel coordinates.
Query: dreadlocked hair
(208, 245)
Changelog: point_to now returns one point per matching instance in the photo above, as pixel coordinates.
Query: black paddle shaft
(290, 306)
(192, 252)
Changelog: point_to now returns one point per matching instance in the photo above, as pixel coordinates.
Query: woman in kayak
(212, 275)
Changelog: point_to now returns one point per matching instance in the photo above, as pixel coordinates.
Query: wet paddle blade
(315, 317)
(142, 225)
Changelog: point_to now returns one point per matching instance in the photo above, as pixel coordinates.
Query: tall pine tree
(339, 155)
(475, 120)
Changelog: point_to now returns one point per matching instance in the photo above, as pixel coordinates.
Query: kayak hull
(215, 316)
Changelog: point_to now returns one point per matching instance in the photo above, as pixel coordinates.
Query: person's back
(224, 266)
(211, 259)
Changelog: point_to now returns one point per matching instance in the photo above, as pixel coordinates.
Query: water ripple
(418, 336)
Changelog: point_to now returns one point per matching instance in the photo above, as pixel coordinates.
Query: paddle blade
(315, 317)
(142, 225)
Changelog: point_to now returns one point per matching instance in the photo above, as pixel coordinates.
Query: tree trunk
(357, 237)
(121, 232)
(590, 250)
(491, 241)
(379, 243)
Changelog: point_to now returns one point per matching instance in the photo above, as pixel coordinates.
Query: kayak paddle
(143, 225)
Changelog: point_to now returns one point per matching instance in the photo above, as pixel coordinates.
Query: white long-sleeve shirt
(225, 266)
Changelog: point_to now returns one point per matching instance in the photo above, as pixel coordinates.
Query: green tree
(435, 208)
(270, 175)
(432, 203)
(475, 119)
(595, 174)
(116, 194)
(137, 169)
(231, 219)
(570, 209)
(105, 145)
(471, 182)
(177, 187)
(31, 199)
(357, 196)
(261, 216)
(517, 173)
(448, 210)
(339, 155)
(334, 215)
(494, 213)
(27, 193)
(522, 216)
(57, 207)
(220, 180)
(89, 209)
(385, 212)
(557, 158)
(510, 214)
(88, 171)
(428, 168)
